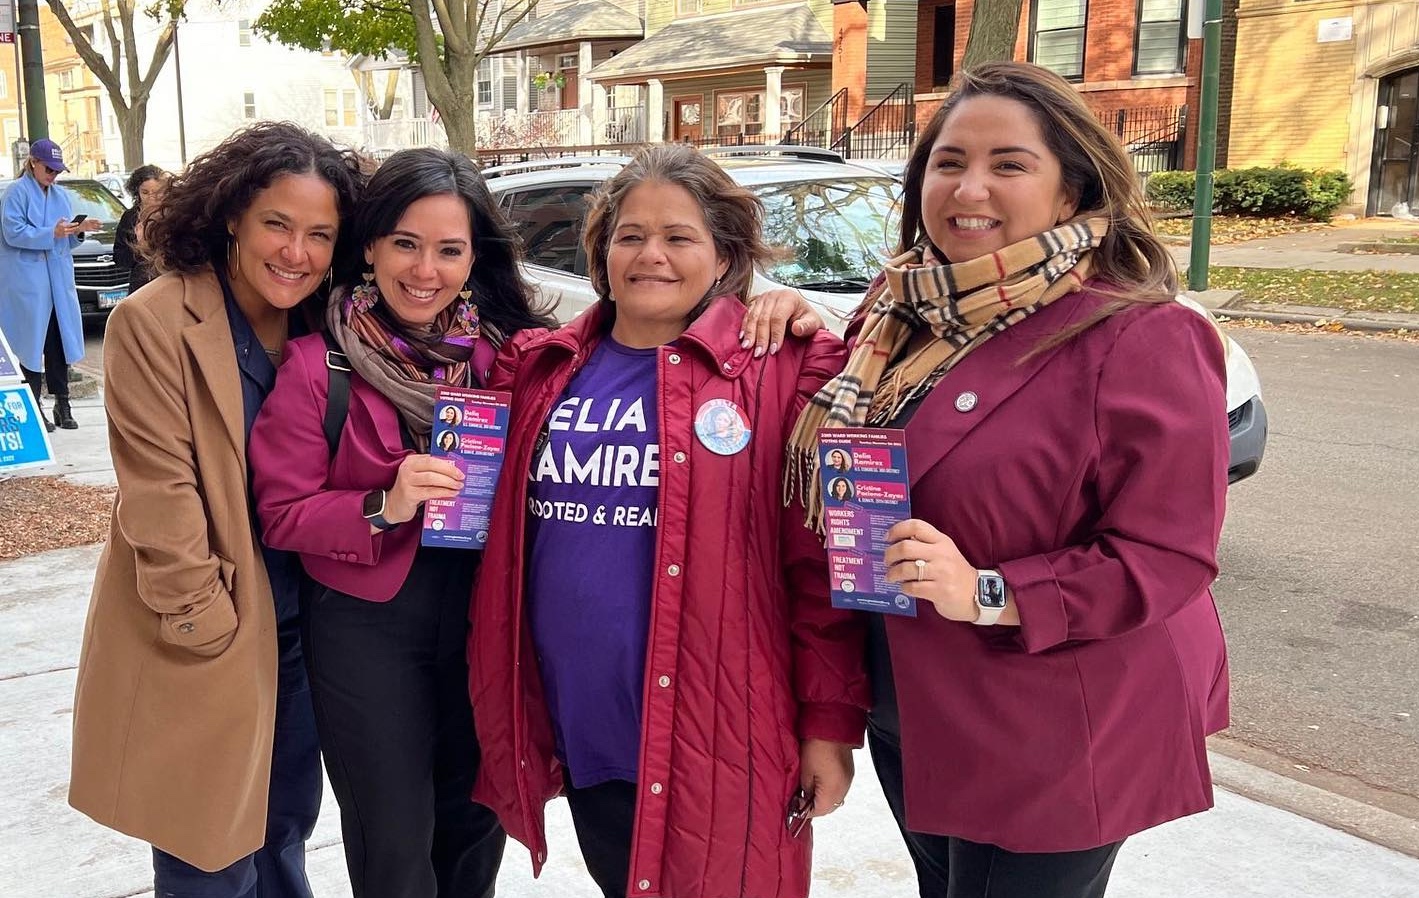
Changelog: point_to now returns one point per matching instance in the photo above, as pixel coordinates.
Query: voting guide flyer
(470, 429)
(865, 493)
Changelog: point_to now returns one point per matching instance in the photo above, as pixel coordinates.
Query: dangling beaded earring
(364, 296)
(468, 312)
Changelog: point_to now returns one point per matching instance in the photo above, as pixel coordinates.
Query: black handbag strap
(337, 401)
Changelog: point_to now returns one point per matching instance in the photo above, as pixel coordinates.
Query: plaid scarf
(405, 364)
(963, 304)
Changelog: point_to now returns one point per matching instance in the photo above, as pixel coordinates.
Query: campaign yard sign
(24, 443)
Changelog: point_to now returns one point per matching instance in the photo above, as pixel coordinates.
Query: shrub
(1327, 190)
(1257, 192)
(1171, 190)
(1262, 192)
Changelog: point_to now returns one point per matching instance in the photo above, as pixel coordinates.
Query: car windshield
(837, 231)
(92, 199)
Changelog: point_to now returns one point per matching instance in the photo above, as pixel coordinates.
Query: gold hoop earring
(330, 278)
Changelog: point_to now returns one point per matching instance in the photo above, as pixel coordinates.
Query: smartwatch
(374, 510)
(990, 597)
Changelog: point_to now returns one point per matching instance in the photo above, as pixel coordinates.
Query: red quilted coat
(745, 655)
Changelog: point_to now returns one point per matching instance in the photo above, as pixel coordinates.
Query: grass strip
(1355, 291)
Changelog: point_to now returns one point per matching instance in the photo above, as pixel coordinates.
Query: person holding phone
(39, 306)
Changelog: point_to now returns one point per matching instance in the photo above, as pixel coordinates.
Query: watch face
(990, 591)
(374, 503)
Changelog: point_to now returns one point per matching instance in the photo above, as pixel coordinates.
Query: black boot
(63, 416)
(48, 424)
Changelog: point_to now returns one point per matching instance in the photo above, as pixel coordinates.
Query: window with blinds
(1057, 38)
(1158, 44)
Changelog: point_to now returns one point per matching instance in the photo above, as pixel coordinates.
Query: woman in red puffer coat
(652, 633)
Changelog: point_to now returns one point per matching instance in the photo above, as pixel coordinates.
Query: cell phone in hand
(797, 817)
(78, 219)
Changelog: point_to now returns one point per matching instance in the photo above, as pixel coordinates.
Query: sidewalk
(1241, 849)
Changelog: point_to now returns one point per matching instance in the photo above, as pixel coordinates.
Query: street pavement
(1241, 849)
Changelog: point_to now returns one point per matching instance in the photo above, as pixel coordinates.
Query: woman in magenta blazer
(385, 626)
(1067, 445)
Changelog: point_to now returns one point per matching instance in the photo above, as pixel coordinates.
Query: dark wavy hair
(140, 176)
(1131, 262)
(733, 215)
(190, 231)
(505, 300)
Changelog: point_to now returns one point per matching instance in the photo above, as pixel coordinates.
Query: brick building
(1131, 60)
(1332, 84)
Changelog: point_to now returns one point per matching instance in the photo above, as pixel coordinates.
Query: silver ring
(921, 569)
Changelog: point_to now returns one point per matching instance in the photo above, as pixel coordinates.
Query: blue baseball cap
(48, 152)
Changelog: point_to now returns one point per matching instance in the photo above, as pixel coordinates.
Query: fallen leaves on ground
(44, 513)
(1236, 229)
(1355, 291)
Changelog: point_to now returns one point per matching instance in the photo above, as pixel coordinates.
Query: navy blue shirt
(258, 377)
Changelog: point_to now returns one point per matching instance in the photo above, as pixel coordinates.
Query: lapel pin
(966, 401)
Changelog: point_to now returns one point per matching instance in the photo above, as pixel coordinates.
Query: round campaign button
(721, 427)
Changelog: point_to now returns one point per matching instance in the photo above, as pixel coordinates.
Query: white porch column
(654, 111)
(585, 99)
(773, 92)
(598, 112)
(522, 81)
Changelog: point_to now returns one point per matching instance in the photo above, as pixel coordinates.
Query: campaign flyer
(470, 429)
(865, 493)
(24, 443)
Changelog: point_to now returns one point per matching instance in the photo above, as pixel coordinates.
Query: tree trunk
(460, 118)
(131, 125)
(994, 26)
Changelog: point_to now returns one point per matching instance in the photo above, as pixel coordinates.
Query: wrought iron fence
(886, 131)
(1152, 135)
(823, 125)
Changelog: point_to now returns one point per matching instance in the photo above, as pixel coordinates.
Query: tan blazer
(176, 695)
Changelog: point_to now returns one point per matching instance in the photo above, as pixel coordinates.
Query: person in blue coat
(39, 307)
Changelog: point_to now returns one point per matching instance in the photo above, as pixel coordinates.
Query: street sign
(7, 22)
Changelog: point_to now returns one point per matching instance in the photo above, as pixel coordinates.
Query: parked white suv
(835, 218)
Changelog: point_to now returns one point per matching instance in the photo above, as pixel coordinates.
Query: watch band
(991, 597)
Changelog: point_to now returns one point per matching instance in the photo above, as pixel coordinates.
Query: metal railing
(386, 136)
(885, 131)
(823, 126)
(1152, 135)
(624, 124)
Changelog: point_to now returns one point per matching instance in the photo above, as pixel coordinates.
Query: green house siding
(660, 13)
(891, 46)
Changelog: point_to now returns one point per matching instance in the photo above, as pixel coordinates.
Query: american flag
(434, 114)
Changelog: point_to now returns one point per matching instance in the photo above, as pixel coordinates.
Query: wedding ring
(921, 569)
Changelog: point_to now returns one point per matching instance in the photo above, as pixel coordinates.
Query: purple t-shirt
(591, 517)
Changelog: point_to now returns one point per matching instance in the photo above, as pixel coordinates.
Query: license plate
(110, 298)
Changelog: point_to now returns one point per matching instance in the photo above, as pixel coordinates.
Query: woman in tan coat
(192, 714)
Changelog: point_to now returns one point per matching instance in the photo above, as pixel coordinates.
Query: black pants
(277, 869)
(948, 867)
(56, 369)
(390, 682)
(605, 818)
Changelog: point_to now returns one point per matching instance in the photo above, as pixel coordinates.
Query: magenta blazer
(1092, 475)
(312, 505)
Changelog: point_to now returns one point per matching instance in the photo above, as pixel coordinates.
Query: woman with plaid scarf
(1067, 444)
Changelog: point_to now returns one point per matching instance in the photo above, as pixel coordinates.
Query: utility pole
(1199, 258)
(37, 113)
(181, 122)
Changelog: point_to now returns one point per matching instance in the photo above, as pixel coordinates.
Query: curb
(1351, 322)
(1333, 800)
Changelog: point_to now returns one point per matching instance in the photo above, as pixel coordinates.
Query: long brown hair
(1131, 263)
